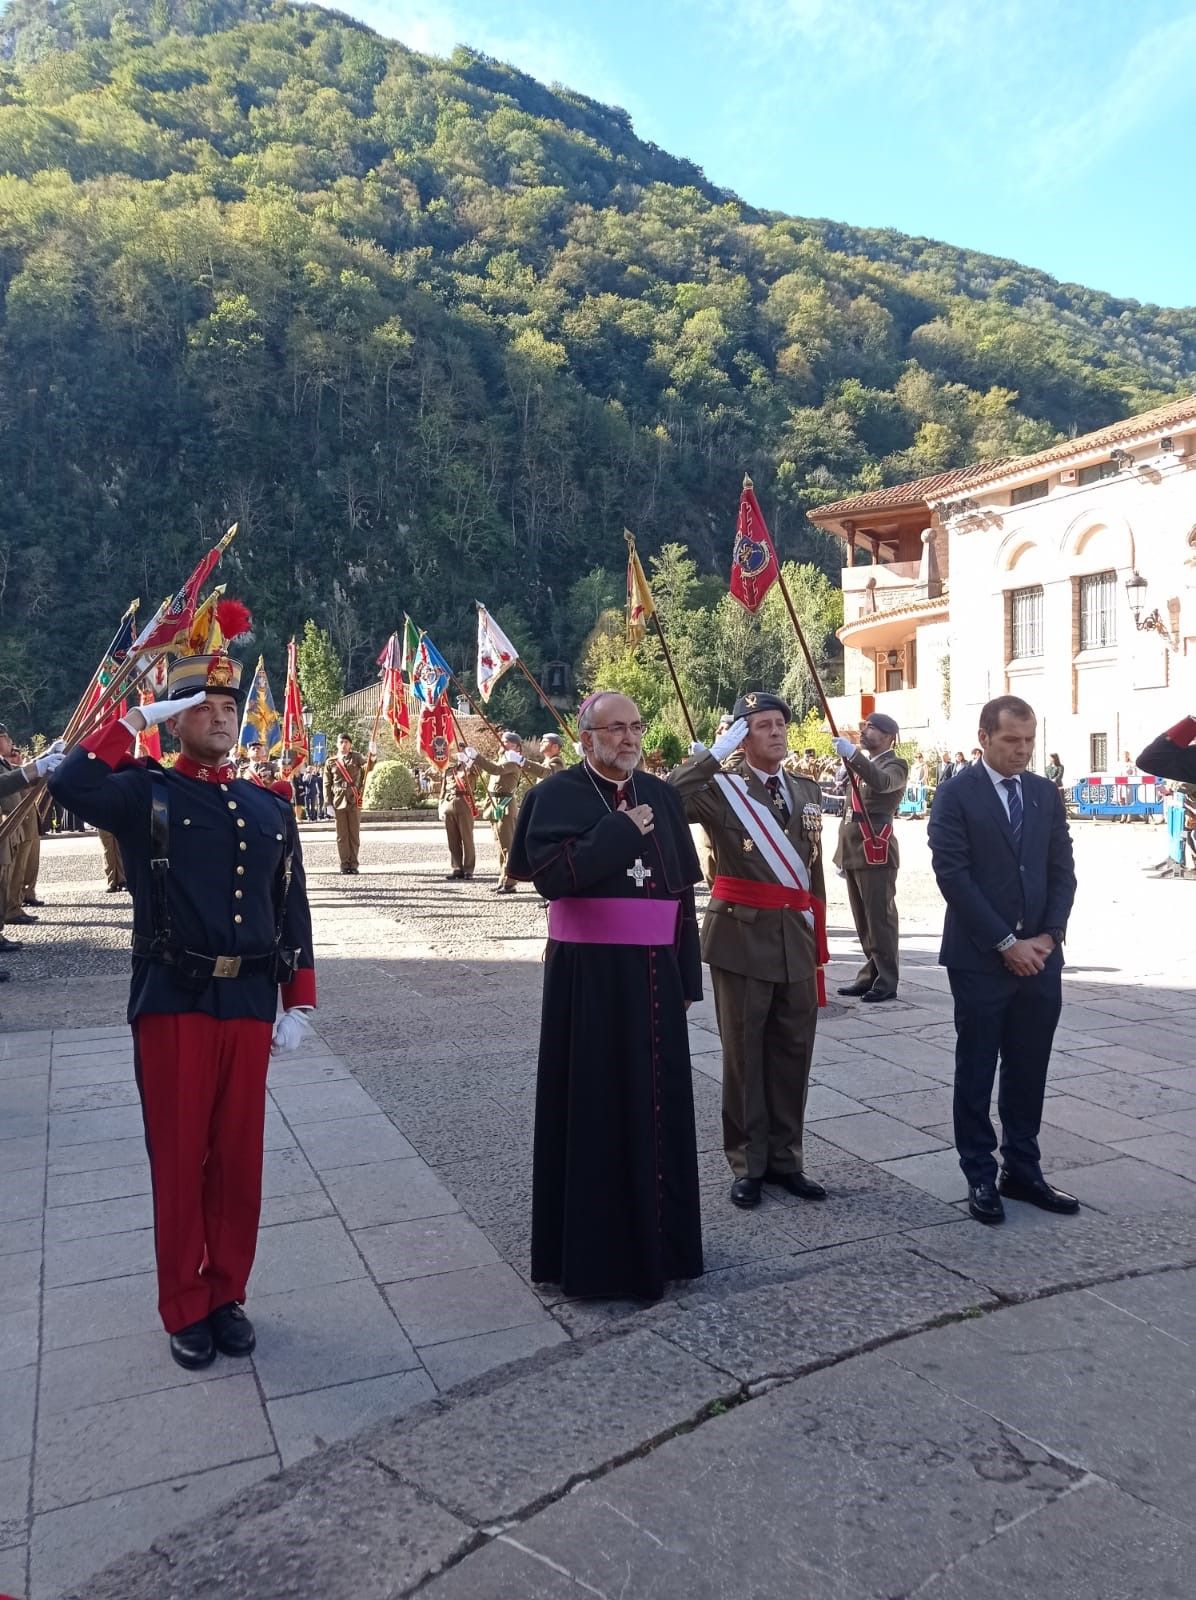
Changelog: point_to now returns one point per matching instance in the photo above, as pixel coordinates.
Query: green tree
(320, 676)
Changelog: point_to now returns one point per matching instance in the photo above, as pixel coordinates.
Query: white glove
(373, 747)
(728, 742)
(288, 1032)
(469, 755)
(157, 711)
(578, 749)
(513, 758)
(697, 748)
(845, 749)
(50, 760)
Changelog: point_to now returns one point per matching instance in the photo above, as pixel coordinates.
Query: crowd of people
(223, 965)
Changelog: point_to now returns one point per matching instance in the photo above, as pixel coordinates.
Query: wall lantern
(1135, 590)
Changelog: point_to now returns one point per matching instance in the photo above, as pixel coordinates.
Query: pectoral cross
(639, 872)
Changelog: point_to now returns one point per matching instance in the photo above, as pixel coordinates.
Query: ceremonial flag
(496, 653)
(640, 605)
(149, 740)
(430, 672)
(410, 647)
(205, 634)
(260, 724)
(394, 696)
(295, 747)
(116, 653)
(754, 567)
(175, 619)
(436, 733)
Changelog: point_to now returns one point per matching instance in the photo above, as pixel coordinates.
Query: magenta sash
(580, 921)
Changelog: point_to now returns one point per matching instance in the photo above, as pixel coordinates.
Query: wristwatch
(1057, 934)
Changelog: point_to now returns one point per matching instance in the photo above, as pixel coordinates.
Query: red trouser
(203, 1097)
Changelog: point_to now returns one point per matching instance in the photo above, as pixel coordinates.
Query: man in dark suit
(1003, 860)
(1173, 754)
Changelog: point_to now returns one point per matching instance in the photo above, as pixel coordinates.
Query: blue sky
(1055, 132)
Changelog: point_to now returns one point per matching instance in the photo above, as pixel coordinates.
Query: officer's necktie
(1013, 789)
(773, 785)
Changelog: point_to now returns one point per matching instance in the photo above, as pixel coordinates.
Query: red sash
(876, 845)
(348, 777)
(778, 897)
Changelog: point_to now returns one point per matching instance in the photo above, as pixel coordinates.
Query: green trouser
(872, 894)
(767, 1032)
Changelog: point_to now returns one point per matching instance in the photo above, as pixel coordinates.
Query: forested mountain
(430, 330)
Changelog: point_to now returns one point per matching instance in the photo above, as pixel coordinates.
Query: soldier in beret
(501, 805)
(764, 938)
(550, 760)
(867, 852)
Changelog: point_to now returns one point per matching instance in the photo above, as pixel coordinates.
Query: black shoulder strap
(160, 858)
(290, 833)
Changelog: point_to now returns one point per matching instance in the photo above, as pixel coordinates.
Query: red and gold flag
(754, 567)
(296, 748)
(394, 692)
(149, 740)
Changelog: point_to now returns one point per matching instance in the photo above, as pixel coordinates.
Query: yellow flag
(204, 635)
(640, 605)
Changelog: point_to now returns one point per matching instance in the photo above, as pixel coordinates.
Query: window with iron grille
(1098, 610)
(1026, 609)
(1098, 752)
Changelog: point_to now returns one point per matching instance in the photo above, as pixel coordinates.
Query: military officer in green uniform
(764, 938)
(344, 780)
(501, 805)
(551, 760)
(866, 852)
(457, 809)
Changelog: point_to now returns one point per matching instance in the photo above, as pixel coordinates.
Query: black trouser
(998, 1016)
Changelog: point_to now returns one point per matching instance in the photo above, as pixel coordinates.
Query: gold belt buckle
(226, 967)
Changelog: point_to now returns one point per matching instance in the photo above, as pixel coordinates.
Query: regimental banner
(260, 723)
(754, 567)
(294, 729)
(394, 693)
(437, 734)
(640, 604)
(496, 653)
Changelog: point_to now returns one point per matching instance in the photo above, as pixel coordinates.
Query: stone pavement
(394, 1249)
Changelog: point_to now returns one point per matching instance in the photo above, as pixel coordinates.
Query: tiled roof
(910, 608)
(902, 496)
(1173, 415)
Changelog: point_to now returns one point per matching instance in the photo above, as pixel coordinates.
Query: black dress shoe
(984, 1202)
(32, 900)
(503, 888)
(193, 1346)
(232, 1331)
(5, 975)
(797, 1183)
(855, 989)
(875, 994)
(22, 917)
(1038, 1192)
(450, 877)
(114, 888)
(745, 1192)
(9, 944)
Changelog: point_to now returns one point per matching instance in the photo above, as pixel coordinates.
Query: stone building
(1067, 577)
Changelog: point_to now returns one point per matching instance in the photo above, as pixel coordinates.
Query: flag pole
(664, 645)
(801, 639)
(560, 721)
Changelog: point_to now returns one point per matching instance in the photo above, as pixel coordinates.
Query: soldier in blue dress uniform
(221, 930)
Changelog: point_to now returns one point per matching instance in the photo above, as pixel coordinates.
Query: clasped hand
(641, 816)
(1028, 956)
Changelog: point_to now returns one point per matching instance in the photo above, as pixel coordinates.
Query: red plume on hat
(234, 619)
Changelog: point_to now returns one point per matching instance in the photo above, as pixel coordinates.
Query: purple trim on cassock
(581, 920)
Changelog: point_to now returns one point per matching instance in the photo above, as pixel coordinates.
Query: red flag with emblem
(436, 733)
(394, 691)
(754, 567)
(295, 746)
(149, 740)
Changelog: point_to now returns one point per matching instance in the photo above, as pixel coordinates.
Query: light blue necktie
(1013, 789)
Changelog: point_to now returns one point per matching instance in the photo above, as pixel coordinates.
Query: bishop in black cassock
(615, 1209)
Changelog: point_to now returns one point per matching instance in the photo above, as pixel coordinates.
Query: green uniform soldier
(457, 809)
(551, 759)
(114, 867)
(344, 779)
(501, 805)
(259, 768)
(14, 780)
(764, 938)
(867, 852)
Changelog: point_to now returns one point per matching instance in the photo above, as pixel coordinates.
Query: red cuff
(112, 744)
(1183, 733)
(301, 991)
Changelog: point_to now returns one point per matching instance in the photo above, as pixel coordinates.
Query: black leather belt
(196, 964)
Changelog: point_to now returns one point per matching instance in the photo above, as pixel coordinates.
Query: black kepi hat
(759, 700)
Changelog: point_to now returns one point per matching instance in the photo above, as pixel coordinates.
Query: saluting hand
(641, 816)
